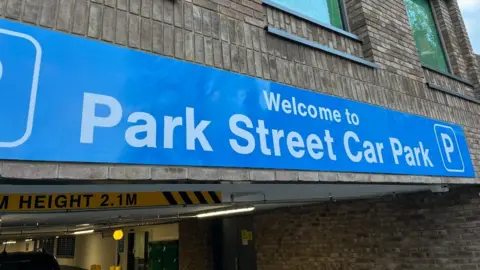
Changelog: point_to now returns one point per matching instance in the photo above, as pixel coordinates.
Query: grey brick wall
(457, 43)
(384, 27)
(447, 30)
(473, 67)
(448, 83)
(195, 245)
(310, 31)
(230, 35)
(416, 231)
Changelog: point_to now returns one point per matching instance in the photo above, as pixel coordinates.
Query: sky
(471, 15)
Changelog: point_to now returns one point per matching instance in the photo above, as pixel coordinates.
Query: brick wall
(195, 250)
(416, 231)
(410, 231)
(473, 68)
(299, 27)
(447, 30)
(448, 83)
(457, 43)
(385, 29)
(230, 35)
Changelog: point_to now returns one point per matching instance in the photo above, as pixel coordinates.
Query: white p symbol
(447, 145)
(1, 70)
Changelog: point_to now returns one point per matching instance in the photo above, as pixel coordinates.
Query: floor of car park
(150, 234)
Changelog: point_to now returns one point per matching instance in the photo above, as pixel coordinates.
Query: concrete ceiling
(262, 196)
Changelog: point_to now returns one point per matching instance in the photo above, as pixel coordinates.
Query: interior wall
(92, 249)
(66, 261)
(20, 246)
(165, 232)
(97, 249)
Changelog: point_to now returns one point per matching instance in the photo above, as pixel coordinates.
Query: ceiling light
(226, 212)
(83, 225)
(28, 240)
(9, 242)
(118, 235)
(84, 232)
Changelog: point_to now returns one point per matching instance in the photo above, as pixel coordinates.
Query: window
(47, 245)
(325, 11)
(425, 33)
(66, 247)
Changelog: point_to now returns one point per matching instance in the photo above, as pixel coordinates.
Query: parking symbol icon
(19, 75)
(449, 148)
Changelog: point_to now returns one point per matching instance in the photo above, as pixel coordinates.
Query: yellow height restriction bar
(108, 200)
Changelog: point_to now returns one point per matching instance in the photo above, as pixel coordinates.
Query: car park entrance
(153, 226)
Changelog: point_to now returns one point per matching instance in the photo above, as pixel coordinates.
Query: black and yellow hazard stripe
(193, 197)
(105, 200)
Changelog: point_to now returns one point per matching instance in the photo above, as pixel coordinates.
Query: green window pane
(335, 13)
(425, 33)
(325, 11)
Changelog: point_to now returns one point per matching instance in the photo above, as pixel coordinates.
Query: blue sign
(69, 99)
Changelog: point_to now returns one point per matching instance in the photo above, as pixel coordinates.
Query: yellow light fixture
(118, 235)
